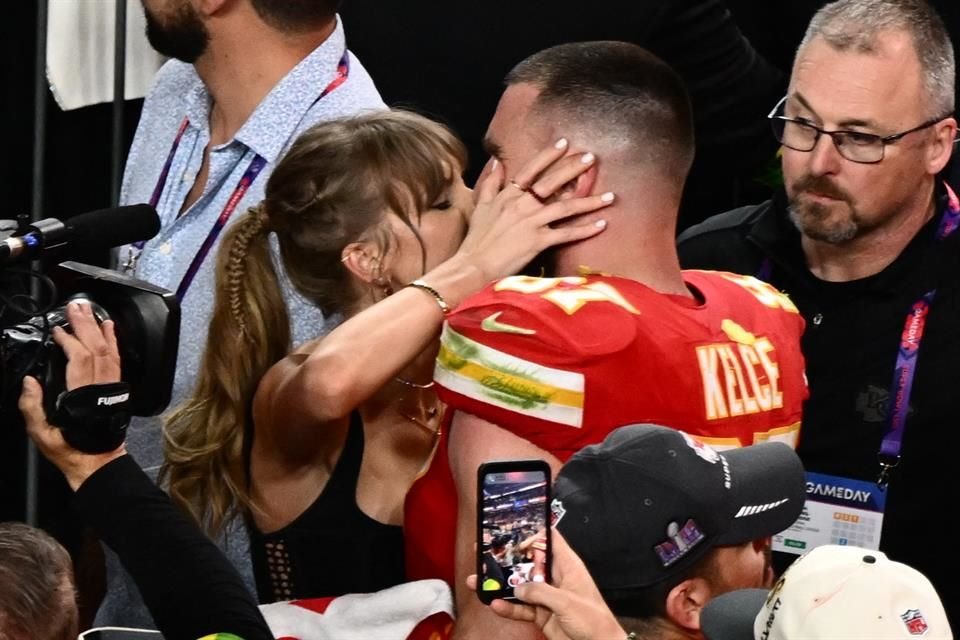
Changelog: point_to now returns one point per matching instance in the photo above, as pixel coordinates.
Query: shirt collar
(273, 123)
(197, 102)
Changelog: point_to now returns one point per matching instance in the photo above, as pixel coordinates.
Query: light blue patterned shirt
(291, 107)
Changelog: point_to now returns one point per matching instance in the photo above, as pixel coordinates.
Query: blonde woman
(318, 446)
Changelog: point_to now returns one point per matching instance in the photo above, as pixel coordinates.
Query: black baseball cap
(649, 501)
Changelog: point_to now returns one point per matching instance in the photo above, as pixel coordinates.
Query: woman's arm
(509, 227)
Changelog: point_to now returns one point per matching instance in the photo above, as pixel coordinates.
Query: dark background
(393, 42)
(77, 166)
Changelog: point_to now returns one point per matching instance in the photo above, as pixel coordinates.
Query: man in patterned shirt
(248, 76)
(540, 367)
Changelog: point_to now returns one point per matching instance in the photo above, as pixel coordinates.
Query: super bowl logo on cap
(915, 622)
(556, 512)
(701, 449)
(680, 543)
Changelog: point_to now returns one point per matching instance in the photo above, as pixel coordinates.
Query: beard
(178, 34)
(834, 223)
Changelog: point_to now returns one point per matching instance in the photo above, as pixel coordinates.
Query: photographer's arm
(190, 588)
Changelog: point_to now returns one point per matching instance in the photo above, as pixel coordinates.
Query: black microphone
(101, 229)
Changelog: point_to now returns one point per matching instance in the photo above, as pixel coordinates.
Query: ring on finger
(528, 190)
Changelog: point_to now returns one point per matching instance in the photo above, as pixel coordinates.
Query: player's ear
(581, 186)
(685, 602)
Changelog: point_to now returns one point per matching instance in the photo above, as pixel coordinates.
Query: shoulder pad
(562, 318)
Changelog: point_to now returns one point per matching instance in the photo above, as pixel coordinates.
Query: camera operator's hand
(570, 609)
(92, 358)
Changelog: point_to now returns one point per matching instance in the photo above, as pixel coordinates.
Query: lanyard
(256, 165)
(908, 353)
(247, 179)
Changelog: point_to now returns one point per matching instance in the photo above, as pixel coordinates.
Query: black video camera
(147, 325)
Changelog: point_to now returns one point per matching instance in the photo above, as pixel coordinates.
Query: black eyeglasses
(865, 148)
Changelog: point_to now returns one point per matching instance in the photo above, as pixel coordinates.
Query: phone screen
(513, 537)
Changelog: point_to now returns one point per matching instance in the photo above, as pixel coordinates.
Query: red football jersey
(562, 362)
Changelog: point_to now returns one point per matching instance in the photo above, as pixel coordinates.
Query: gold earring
(384, 285)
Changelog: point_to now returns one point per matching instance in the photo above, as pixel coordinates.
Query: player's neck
(639, 242)
(649, 258)
(239, 75)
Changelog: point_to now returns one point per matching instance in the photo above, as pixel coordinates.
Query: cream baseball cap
(833, 593)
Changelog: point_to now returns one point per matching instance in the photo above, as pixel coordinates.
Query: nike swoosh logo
(491, 324)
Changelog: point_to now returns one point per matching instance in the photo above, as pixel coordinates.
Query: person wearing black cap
(664, 523)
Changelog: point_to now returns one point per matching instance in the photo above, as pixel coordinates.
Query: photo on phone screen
(513, 526)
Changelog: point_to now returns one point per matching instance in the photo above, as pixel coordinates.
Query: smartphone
(513, 526)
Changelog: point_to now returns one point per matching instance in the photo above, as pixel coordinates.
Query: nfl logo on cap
(916, 624)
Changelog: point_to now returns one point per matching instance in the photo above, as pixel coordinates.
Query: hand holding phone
(513, 527)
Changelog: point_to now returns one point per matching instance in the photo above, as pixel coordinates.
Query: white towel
(80, 52)
(410, 611)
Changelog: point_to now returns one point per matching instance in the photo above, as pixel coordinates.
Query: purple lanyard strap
(256, 166)
(908, 353)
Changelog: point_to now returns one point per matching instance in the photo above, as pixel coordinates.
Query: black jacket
(850, 345)
(188, 585)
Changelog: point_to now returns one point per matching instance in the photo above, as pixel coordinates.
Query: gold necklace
(430, 416)
(410, 383)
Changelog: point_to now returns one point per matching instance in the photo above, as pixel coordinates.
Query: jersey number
(570, 294)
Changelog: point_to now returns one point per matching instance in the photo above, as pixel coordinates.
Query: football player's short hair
(619, 92)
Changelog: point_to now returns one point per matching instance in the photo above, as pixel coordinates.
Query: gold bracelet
(420, 284)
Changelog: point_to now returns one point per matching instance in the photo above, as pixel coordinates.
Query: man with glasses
(863, 240)
(857, 146)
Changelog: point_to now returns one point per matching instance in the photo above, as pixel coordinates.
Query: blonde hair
(332, 188)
